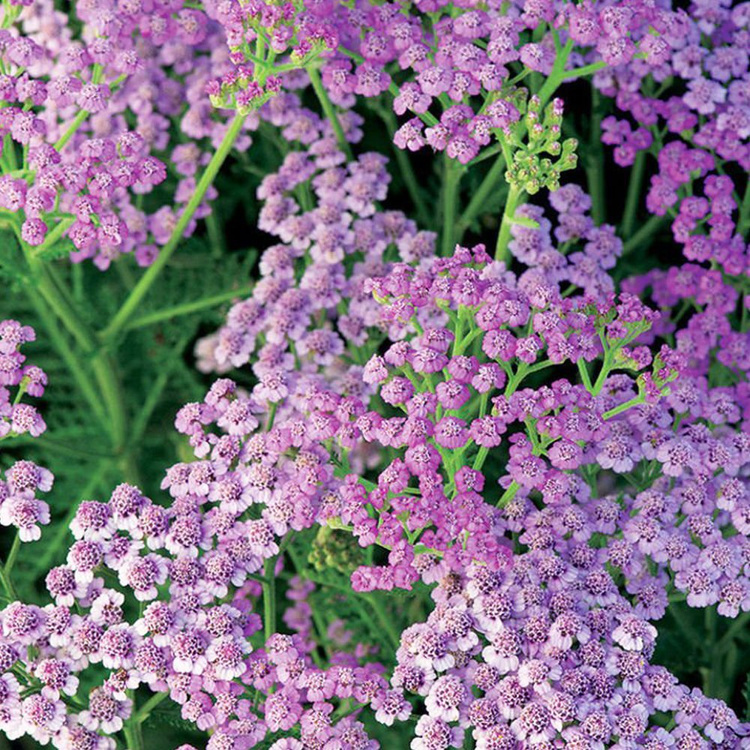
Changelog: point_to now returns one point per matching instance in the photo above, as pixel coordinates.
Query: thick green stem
(503, 238)
(451, 184)
(269, 598)
(480, 196)
(105, 372)
(131, 304)
(603, 373)
(644, 236)
(64, 351)
(557, 75)
(168, 313)
(585, 70)
(635, 401)
(133, 735)
(634, 194)
(385, 620)
(78, 120)
(145, 710)
(480, 458)
(585, 377)
(329, 111)
(7, 569)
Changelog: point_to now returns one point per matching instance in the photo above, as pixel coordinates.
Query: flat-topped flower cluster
(544, 437)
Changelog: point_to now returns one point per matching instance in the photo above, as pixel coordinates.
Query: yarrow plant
(399, 368)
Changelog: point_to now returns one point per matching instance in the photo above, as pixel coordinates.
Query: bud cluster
(257, 34)
(529, 170)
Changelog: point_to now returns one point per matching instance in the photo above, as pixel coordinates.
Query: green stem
(603, 373)
(269, 598)
(740, 623)
(712, 673)
(318, 619)
(141, 420)
(451, 183)
(585, 70)
(103, 365)
(7, 568)
(585, 377)
(503, 238)
(509, 494)
(186, 308)
(643, 237)
(385, 620)
(480, 196)
(145, 710)
(125, 274)
(105, 371)
(634, 194)
(8, 161)
(133, 735)
(131, 304)
(485, 154)
(66, 354)
(51, 239)
(59, 447)
(52, 292)
(480, 458)
(557, 75)
(271, 416)
(78, 120)
(81, 117)
(215, 236)
(329, 111)
(635, 401)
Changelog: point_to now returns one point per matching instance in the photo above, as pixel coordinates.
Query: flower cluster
(194, 569)
(19, 506)
(551, 254)
(435, 497)
(454, 387)
(704, 124)
(310, 304)
(449, 55)
(91, 106)
(257, 35)
(547, 653)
